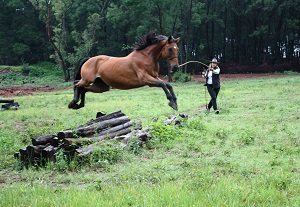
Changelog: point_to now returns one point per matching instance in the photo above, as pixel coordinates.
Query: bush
(182, 77)
(25, 69)
(163, 133)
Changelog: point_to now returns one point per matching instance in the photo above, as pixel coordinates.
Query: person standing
(213, 84)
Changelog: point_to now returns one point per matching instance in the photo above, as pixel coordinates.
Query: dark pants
(213, 92)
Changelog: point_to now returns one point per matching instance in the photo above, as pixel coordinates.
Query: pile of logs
(83, 139)
(9, 104)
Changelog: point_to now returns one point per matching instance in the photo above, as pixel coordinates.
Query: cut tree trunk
(93, 128)
(41, 140)
(81, 140)
(7, 101)
(49, 153)
(107, 134)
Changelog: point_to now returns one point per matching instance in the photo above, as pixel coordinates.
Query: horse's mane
(149, 39)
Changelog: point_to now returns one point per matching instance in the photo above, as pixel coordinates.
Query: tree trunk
(60, 57)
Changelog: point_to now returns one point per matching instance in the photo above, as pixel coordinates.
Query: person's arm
(216, 70)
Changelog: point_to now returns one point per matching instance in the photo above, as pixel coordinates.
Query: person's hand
(203, 73)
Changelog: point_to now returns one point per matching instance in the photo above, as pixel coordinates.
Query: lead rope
(206, 106)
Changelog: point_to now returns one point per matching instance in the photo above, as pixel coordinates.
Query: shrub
(104, 154)
(163, 133)
(180, 76)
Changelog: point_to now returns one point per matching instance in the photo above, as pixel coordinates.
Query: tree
(21, 34)
(234, 31)
(69, 43)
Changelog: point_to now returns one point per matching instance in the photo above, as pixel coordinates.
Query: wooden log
(74, 143)
(105, 134)
(93, 128)
(7, 101)
(17, 155)
(55, 142)
(41, 140)
(49, 153)
(78, 142)
(35, 151)
(24, 158)
(143, 136)
(66, 133)
(99, 126)
(105, 117)
(70, 133)
(100, 114)
(86, 150)
(90, 148)
(137, 125)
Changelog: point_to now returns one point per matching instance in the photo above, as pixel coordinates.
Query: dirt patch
(10, 91)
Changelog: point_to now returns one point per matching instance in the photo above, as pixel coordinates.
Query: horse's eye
(170, 49)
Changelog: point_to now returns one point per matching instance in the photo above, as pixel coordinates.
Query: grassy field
(248, 155)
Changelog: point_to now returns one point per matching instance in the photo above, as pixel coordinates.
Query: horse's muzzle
(174, 69)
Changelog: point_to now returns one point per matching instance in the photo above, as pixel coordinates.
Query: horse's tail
(77, 75)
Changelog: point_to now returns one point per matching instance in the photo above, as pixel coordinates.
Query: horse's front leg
(170, 95)
(170, 88)
(167, 89)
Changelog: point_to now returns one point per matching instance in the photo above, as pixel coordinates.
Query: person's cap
(214, 61)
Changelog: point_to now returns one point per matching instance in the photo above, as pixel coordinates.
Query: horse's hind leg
(82, 92)
(98, 86)
(79, 93)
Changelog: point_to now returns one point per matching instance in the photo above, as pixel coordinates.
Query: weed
(163, 133)
(134, 145)
(103, 155)
(247, 138)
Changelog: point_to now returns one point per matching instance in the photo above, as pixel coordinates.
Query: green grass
(40, 74)
(248, 155)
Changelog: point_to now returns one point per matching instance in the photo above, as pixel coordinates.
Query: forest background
(246, 36)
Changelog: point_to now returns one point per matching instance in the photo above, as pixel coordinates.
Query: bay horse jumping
(140, 68)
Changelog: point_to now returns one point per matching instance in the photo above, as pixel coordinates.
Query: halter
(168, 59)
(172, 58)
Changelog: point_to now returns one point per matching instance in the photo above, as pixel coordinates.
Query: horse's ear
(170, 39)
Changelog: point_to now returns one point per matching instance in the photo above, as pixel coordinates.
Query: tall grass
(248, 155)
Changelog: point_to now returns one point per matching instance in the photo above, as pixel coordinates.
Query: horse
(139, 68)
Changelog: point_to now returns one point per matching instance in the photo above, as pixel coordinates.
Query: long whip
(194, 61)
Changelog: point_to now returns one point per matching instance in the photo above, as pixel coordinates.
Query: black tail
(77, 71)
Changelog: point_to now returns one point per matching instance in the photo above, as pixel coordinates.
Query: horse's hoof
(71, 105)
(76, 106)
(173, 105)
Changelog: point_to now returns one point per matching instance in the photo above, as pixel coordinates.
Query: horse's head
(170, 52)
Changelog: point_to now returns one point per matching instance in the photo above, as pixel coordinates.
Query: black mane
(149, 39)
